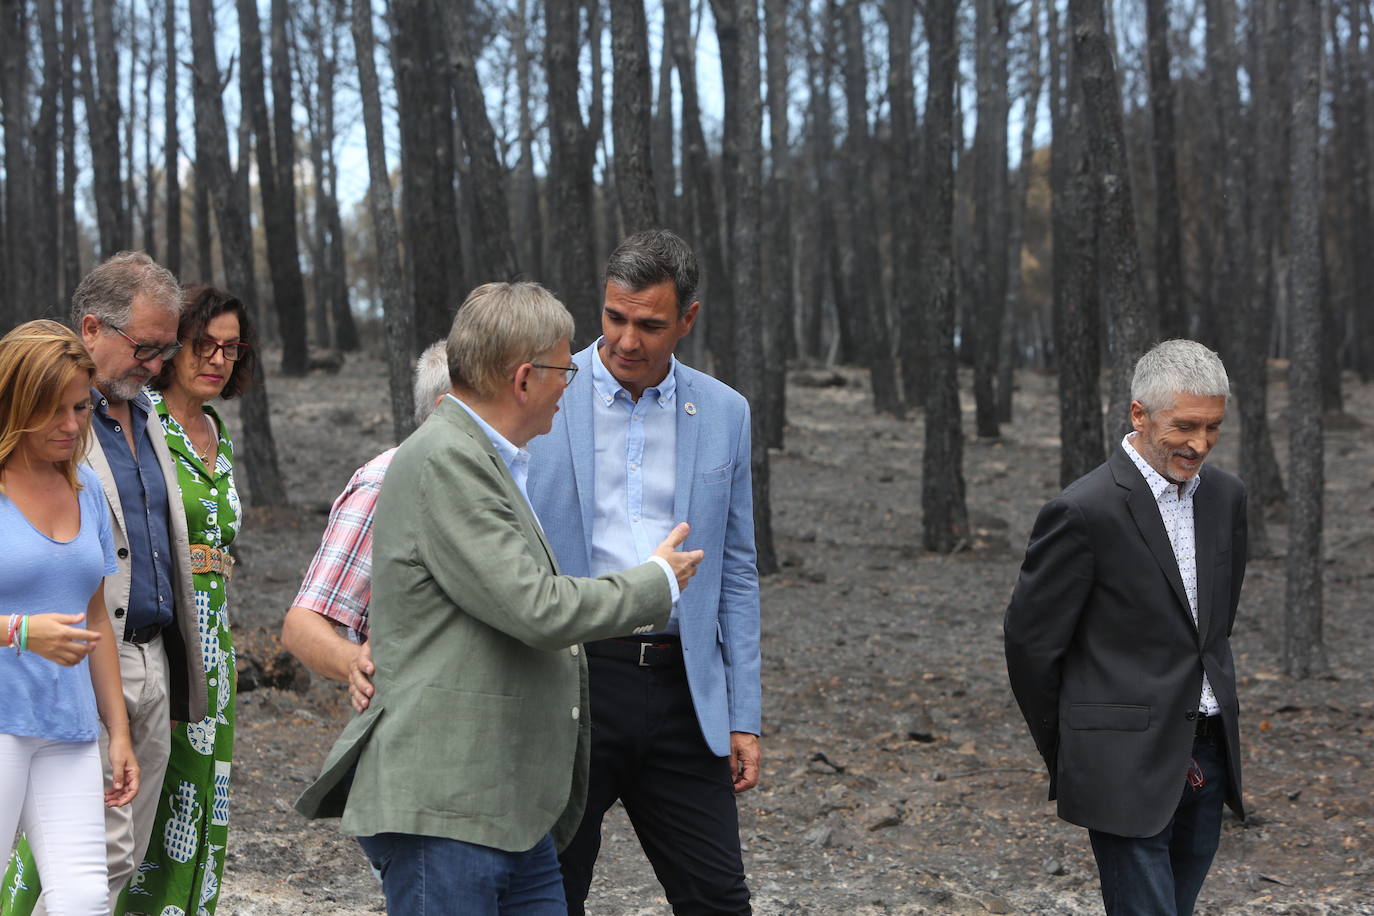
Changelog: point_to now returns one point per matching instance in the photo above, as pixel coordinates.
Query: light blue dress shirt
(516, 459)
(635, 471)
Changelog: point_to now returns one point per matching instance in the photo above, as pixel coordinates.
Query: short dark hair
(652, 257)
(201, 305)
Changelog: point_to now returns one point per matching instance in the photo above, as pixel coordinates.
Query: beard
(125, 388)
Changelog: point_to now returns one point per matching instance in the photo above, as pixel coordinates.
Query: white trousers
(52, 790)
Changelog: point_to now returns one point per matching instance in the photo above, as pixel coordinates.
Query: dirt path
(899, 778)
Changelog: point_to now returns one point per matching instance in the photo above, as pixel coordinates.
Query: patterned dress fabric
(180, 875)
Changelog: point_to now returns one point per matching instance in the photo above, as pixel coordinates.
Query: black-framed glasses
(206, 347)
(143, 351)
(569, 372)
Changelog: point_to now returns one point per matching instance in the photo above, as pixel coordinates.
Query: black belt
(1206, 726)
(144, 634)
(660, 652)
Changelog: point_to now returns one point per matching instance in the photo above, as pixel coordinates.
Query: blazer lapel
(1145, 512)
(1205, 534)
(533, 532)
(688, 429)
(581, 424)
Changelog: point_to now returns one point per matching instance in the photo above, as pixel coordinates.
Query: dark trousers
(647, 751)
(1162, 874)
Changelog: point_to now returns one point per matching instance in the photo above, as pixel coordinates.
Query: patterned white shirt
(1176, 509)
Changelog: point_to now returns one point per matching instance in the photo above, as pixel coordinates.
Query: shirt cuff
(672, 579)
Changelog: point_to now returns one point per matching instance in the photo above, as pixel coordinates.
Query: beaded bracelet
(14, 625)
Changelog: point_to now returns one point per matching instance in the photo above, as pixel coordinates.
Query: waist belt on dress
(210, 560)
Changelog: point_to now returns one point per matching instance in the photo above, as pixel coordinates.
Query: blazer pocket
(1108, 717)
(717, 475)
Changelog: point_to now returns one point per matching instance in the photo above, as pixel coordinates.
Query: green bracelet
(24, 633)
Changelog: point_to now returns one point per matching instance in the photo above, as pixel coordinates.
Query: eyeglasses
(144, 352)
(206, 347)
(569, 372)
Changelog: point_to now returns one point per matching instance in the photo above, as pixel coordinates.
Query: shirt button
(155, 554)
(119, 612)
(576, 713)
(575, 649)
(633, 466)
(214, 492)
(123, 553)
(118, 428)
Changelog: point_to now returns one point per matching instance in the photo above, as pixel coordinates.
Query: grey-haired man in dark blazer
(1117, 639)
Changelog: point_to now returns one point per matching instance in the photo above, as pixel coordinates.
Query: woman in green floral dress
(181, 871)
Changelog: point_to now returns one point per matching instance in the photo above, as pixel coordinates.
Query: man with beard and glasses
(1118, 639)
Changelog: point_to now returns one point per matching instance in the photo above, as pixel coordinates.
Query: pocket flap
(1109, 717)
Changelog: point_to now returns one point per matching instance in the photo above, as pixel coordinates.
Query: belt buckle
(642, 662)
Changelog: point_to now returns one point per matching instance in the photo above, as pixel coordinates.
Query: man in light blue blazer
(640, 441)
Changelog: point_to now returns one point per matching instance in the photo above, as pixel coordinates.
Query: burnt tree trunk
(487, 185)
(777, 242)
(1077, 309)
(631, 116)
(990, 209)
(906, 298)
(1173, 317)
(944, 513)
(1303, 652)
(570, 173)
(171, 151)
(400, 316)
(257, 452)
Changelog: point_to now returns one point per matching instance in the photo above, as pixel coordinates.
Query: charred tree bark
(943, 509)
(906, 299)
(171, 149)
(103, 114)
(665, 169)
(570, 172)
(487, 185)
(990, 209)
(1173, 317)
(777, 261)
(1119, 265)
(699, 185)
(71, 251)
(400, 316)
(1077, 309)
(529, 230)
(257, 453)
(743, 97)
(44, 229)
(1303, 652)
(631, 117)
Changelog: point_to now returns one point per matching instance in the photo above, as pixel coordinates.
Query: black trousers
(647, 751)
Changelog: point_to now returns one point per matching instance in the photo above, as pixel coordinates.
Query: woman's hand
(125, 770)
(56, 638)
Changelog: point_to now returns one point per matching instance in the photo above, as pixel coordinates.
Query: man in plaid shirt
(338, 585)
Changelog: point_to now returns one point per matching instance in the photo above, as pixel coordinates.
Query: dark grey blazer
(1102, 652)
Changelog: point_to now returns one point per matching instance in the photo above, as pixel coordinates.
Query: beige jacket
(186, 671)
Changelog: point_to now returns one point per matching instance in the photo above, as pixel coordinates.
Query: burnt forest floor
(898, 775)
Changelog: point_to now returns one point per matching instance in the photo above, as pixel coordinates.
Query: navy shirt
(143, 498)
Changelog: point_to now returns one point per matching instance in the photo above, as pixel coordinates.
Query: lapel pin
(690, 408)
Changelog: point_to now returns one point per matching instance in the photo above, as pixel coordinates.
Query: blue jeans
(1162, 874)
(433, 876)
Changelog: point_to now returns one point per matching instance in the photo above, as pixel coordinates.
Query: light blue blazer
(719, 611)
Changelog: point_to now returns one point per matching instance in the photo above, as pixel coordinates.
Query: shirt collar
(102, 403)
(607, 388)
(1155, 480)
(511, 454)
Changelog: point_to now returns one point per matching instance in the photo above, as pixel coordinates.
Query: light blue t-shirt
(39, 575)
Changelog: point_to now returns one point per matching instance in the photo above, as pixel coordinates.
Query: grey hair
(1178, 367)
(652, 257)
(431, 379)
(498, 327)
(109, 290)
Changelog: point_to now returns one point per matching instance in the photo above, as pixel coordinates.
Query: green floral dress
(180, 874)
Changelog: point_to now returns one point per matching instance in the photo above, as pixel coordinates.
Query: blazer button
(123, 553)
(575, 649)
(576, 713)
(119, 612)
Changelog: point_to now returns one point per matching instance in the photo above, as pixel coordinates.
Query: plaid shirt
(338, 584)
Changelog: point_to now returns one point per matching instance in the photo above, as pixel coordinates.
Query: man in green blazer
(469, 767)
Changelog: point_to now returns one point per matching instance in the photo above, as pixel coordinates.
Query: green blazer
(479, 729)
